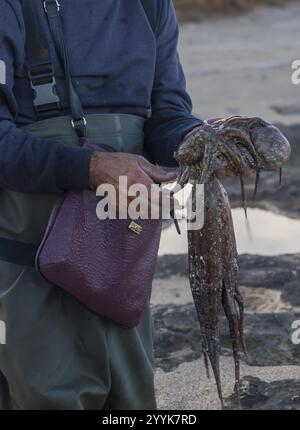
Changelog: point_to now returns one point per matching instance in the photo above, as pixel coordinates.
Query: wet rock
(260, 395)
(273, 272)
(287, 109)
(291, 293)
(268, 337)
(177, 336)
(276, 272)
(172, 265)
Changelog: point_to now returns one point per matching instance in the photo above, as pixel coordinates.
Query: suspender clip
(43, 83)
(79, 126)
(46, 2)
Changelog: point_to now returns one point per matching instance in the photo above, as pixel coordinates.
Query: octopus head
(272, 146)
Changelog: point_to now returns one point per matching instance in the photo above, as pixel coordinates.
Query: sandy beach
(241, 65)
(187, 387)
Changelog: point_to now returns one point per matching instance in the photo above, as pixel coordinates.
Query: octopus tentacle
(246, 122)
(280, 177)
(240, 302)
(193, 279)
(257, 179)
(241, 138)
(206, 363)
(238, 165)
(210, 336)
(184, 176)
(234, 328)
(242, 182)
(207, 164)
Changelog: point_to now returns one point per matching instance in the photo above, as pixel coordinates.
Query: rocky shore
(271, 290)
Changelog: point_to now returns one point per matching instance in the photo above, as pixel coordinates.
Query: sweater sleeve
(29, 163)
(172, 115)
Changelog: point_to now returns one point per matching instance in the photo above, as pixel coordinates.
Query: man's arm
(172, 118)
(29, 163)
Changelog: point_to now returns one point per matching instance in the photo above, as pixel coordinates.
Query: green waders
(58, 354)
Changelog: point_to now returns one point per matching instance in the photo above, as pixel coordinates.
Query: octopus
(237, 143)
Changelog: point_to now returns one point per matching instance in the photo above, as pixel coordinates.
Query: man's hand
(107, 167)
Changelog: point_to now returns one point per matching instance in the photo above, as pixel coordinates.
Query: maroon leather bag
(106, 264)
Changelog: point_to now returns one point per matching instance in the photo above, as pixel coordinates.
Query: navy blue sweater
(117, 64)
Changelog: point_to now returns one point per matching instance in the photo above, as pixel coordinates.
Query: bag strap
(52, 8)
(40, 70)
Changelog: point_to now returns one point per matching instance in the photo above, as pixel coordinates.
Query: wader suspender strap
(147, 5)
(78, 121)
(148, 8)
(40, 71)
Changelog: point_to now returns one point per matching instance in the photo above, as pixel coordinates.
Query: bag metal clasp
(135, 228)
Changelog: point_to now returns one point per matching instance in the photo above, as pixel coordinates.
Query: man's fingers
(157, 173)
(161, 176)
(159, 202)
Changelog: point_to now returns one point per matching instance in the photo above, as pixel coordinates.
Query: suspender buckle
(43, 84)
(46, 2)
(79, 126)
(78, 122)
